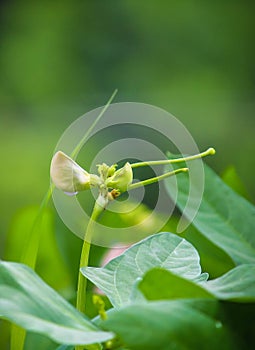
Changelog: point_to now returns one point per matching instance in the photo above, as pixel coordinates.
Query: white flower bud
(67, 175)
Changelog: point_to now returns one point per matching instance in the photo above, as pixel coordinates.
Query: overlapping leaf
(27, 301)
(160, 284)
(168, 325)
(236, 285)
(224, 217)
(166, 250)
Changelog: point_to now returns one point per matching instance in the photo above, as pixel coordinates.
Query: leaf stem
(155, 179)
(209, 151)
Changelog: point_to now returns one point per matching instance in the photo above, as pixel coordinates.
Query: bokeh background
(60, 59)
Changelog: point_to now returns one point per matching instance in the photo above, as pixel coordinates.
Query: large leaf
(236, 285)
(167, 325)
(224, 217)
(164, 250)
(160, 284)
(27, 301)
(212, 258)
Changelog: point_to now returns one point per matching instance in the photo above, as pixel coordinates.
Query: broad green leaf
(236, 285)
(212, 258)
(164, 250)
(167, 325)
(28, 302)
(224, 217)
(160, 284)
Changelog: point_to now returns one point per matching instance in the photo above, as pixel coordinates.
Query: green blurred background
(60, 59)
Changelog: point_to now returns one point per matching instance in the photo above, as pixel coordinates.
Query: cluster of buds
(69, 177)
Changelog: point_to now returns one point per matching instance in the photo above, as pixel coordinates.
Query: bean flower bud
(68, 176)
(121, 179)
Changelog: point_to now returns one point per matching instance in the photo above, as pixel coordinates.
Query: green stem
(155, 179)
(209, 151)
(82, 281)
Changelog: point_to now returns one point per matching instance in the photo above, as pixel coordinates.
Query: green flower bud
(68, 176)
(121, 179)
(111, 170)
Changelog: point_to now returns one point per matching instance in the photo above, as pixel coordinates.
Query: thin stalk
(155, 179)
(29, 254)
(82, 281)
(80, 144)
(209, 151)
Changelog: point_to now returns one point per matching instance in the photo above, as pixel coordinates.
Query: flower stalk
(157, 178)
(208, 152)
(84, 259)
